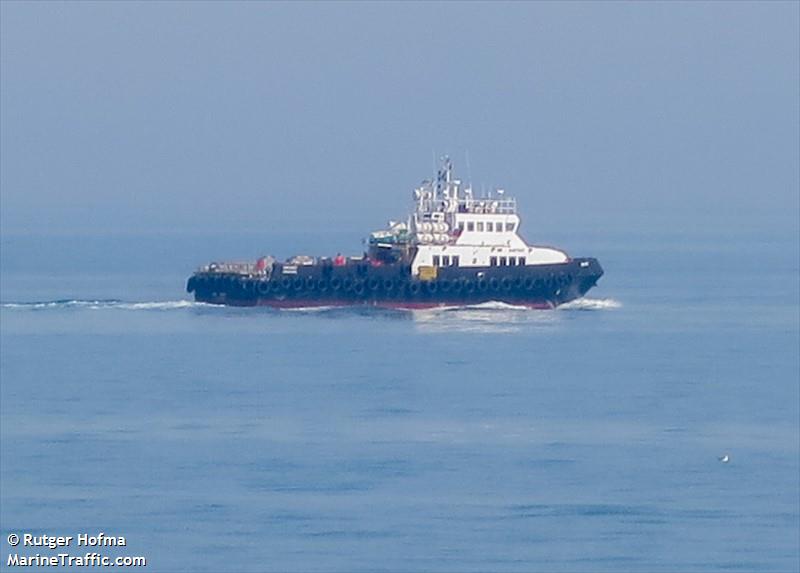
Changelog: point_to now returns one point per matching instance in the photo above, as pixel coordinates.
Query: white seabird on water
(724, 459)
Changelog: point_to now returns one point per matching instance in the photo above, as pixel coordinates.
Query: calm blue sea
(488, 439)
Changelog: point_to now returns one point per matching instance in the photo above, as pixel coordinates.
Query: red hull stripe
(399, 305)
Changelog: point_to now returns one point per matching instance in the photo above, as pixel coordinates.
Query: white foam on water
(490, 306)
(104, 304)
(591, 304)
(161, 305)
(494, 305)
(311, 309)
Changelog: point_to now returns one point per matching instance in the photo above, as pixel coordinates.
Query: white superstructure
(450, 227)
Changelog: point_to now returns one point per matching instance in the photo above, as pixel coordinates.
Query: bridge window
(489, 226)
(509, 226)
(492, 261)
(503, 261)
(435, 260)
(470, 226)
(455, 260)
(499, 227)
(461, 225)
(522, 261)
(480, 226)
(445, 261)
(512, 261)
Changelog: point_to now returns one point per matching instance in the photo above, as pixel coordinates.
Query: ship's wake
(496, 305)
(490, 307)
(100, 304)
(591, 304)
(499, 317)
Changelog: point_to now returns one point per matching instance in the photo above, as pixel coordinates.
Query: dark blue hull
(538, 286)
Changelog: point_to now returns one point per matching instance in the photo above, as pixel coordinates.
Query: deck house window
(461, 225)
(512, 261)
(480, 226)
(489, 226)
(455, 260)
(470, 226)
(498, 227)
(509, 226)
(492, 261)
(435, 260)
(503, 261)
(445, 261)
(522, 261)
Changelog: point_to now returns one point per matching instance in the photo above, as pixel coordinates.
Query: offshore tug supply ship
(453, 250)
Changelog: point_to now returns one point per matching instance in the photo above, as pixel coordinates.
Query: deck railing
(231, 268)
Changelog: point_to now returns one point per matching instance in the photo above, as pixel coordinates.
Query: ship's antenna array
(433, 163)
(469, 168)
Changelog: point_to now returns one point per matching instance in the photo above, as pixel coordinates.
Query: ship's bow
(588, 272)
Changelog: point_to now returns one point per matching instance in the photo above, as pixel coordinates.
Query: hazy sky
(161, 116)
